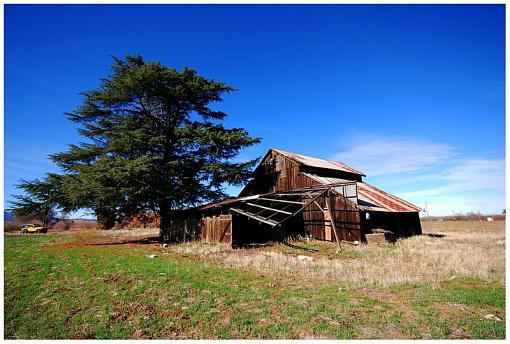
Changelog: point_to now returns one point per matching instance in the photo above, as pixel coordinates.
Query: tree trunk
(105, 219)
(165, 229)
(165, 226)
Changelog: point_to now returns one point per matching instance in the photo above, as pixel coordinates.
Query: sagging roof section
(317, 162)
(371, 198)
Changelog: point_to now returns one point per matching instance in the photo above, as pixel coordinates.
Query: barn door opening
(225, 224)
(217, 229)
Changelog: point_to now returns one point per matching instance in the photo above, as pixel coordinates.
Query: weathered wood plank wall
(217, 229)
(277, 173)
(183, 229)
(346, 217)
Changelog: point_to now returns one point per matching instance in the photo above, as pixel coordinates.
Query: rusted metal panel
(381, 199)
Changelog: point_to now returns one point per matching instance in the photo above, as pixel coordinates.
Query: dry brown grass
(12, 226)
(63, 225)
(469, 249)
(125, 233)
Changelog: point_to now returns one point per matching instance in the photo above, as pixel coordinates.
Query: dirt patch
(300, 302)
(140, 334)
(388, 331)
(379, 295)
(368, 332)
(126, 311)
(128, 242)
(84, 332)
(117, 279)
(225, 317)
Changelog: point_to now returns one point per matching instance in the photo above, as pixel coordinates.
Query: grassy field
(93, 284)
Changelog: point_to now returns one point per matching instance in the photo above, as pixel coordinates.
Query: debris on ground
(461, 306)
(460, 333)
(492, 317)
(151, 256)
(305, 258)
(139, 334)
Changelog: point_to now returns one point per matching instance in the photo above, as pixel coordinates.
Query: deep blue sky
(413, 95)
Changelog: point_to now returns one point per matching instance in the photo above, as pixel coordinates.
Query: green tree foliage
(153, 142)
(41, 199)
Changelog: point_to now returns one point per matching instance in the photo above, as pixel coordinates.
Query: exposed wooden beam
(298, 193)
(305, 206)
(279, 200)
(256, 217)
(267, 208)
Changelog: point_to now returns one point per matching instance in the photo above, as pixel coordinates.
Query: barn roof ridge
(317, 162)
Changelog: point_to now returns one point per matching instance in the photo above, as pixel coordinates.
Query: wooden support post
(332, 219)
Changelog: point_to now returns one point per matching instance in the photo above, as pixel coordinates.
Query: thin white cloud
(378, 156)
(428, 172)
(467, 175)
(486, 203)
(22, 166)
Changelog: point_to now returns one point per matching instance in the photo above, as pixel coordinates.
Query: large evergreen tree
(153, 142)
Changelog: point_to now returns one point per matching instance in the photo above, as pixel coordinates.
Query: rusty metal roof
(371, 198)
(382, 199)
(317, 162)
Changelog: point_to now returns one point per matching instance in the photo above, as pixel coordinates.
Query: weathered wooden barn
(294, 195)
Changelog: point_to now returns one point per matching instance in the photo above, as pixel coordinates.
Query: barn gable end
(283, 171)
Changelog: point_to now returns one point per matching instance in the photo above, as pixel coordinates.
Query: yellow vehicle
(30, 228)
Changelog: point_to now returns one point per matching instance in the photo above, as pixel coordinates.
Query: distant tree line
(152, 142)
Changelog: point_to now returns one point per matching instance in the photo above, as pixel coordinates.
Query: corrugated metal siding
(384, 199)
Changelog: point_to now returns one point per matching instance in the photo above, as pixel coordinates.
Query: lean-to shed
(293, 194)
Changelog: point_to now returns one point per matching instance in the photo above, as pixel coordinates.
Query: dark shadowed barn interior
(294, 195)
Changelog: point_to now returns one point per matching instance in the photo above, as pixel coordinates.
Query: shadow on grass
(300, 247)
(434, 235)
(144, 241)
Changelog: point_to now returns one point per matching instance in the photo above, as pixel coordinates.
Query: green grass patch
(56, 291)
